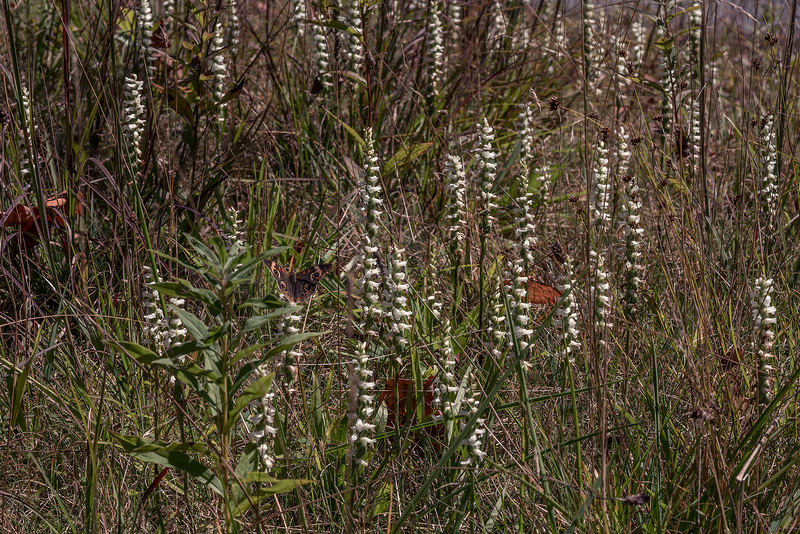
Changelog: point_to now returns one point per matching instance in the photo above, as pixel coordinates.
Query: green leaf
(254, 323)
(139, 353)
(171, 455)
(256, 390)
(260, 477)
(347, 127)
(356, 77)
(247, 351)
(338, 26)
(177, 102)
(665, 44)
(262, 303)
(281, 486)
(210, 256)
(405, 156)
(204, 295)
(187, 266)
(195, 326)
(178, 288)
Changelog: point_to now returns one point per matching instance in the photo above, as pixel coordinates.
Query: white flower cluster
(474, 443)
(454, 13)
(456, 189)
(499, 26)
(159, 331)
(133, 128)
(498, 331)
(566, 318)
(434, 305)
(144, 18)
(435, 46)
(396, 301)
(444, 390)
(353, 50)
(623, 80)
(695, 31)
(361, 407)
(236, 231)
(694, 129)
(286, 363)
(219, 67)
(526, 136)
(526, 217)
(518, 308)
(601, 190)
(521, 38)
(667, 77)
(600, 294)
(321, 54)
(769, 181)
(487, 173)
(235, 26)
(25, 166)
(371, 205)
(633, 233)
(639, 39)
(591, 56)
(299, 16)
(763, 335)
(262, 417)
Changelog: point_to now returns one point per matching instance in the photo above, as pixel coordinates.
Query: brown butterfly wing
(306, 281)
(315, 273)
(542, 294)
(285, 285)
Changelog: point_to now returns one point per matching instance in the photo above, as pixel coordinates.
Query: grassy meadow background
(563, 291)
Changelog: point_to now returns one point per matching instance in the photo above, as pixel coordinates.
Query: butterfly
(542, 294)
(300, 286)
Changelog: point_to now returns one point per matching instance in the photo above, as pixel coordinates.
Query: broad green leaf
(178, 288)
(262, 303)
(210, 256)
(171, 455)
(665, 44)
(206, 296)
(187, 266)
(195, 326)
(405, 156)
(176, 102)
(254, 323)
(338, 26)
(247, 351)
(281, 486)
(347, 127)
(256, 390)
(189, 347)
(133, 349)
(248, 462)
(259, 476)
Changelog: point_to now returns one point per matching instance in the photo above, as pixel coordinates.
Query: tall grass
(563, 294)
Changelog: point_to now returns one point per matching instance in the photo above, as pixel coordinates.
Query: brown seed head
(558, 252)
(555, 103)
(771, 38)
